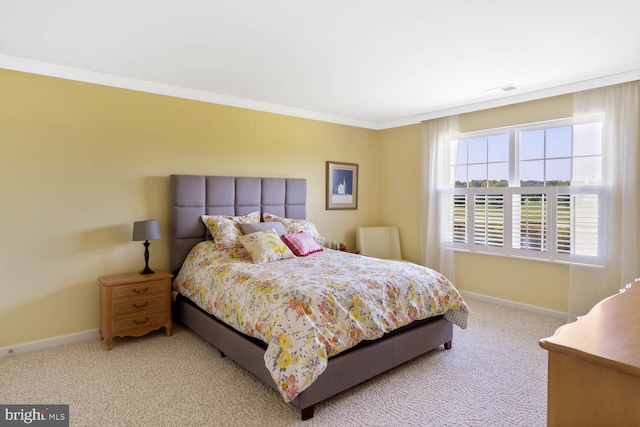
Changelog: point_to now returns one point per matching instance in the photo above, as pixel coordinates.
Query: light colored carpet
(495, 375)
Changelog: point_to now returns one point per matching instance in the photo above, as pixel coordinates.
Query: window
(532, 191)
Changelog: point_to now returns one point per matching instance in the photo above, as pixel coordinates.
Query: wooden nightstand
(134, 304)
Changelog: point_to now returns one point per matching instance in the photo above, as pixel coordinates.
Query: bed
(361, 359)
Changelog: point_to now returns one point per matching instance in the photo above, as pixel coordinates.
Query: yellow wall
(79, 163)
(399, 186)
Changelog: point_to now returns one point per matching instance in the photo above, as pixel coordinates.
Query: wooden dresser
(134, 304)
(594, 365)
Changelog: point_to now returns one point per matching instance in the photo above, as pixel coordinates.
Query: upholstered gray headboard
(195, 195)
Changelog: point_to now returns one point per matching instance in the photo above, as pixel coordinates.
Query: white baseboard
(30, 346)
(95, 333)
(517, 305)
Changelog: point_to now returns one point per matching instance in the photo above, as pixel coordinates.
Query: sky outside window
(478, 150)
(558, 142)
(545, 157)
(499, 148)
(482, 161)
(532, 145)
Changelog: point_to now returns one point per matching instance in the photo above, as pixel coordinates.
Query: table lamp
(145, 231)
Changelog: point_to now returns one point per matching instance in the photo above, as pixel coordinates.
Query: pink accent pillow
(301, 243)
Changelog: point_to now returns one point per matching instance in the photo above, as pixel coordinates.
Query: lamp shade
(146, 230)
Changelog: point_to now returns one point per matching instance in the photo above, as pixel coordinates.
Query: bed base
(343, 371)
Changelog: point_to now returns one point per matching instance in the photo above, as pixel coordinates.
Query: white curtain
(589, 285)
(436, 181)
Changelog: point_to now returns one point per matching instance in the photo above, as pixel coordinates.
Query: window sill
(527, 258)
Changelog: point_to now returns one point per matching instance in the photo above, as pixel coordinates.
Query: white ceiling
(368, 63)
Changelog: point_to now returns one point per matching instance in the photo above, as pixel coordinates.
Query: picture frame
(342, 186)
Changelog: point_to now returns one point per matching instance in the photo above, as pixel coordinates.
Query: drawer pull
(140, 322)
(143, 305)
(140, 291)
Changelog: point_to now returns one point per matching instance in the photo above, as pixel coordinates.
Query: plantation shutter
(529, 222)
(489, 220)
(579, 224)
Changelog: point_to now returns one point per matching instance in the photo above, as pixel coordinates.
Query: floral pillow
(225, 229)
(294, 226)
(301, 244)
(265, 246)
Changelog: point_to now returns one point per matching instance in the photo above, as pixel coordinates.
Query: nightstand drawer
(138, 289)
(143, 322)
(146, 305)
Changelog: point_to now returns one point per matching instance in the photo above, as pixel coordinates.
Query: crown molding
(70, 73)
(517, 98)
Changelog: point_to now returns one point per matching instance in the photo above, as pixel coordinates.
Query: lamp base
(147, 270)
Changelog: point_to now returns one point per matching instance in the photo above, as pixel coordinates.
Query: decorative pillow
(265, 246)
(263, 226)
(301, 243)
(225, 229)
(294, 226)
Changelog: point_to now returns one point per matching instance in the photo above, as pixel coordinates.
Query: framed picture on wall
(342, 185)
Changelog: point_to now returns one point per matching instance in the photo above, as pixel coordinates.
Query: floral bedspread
(308, 309)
